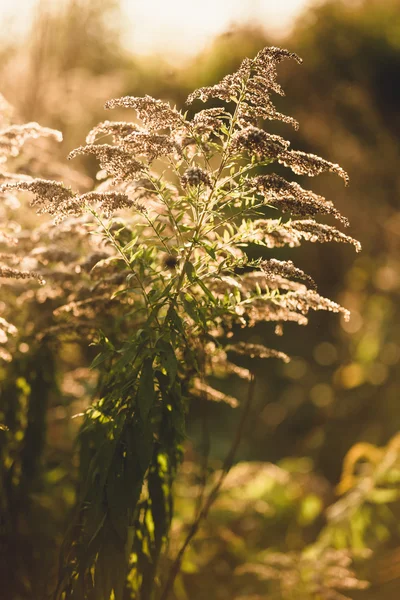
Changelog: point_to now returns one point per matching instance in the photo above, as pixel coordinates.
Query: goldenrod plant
(160, 281)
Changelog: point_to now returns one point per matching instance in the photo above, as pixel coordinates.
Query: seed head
(259, 143)
(117, 161)
(195, 177)
(155, 114)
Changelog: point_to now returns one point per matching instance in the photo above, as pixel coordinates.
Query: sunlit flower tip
(230, 86)
(319, 232)
(50, 196)
(266, 310)
(155, 114)
(285, 268)
(302, 163)
(206, 392)
(256, 351)
(291, 197)
(117, 161)
(275, 55)
(195, 177)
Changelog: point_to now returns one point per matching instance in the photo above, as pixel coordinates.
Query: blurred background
(59, 62)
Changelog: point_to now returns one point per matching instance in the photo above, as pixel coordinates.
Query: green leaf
(130, 245)
(128, 354)
(176, 320)
(144, 443)
(208, 292)
(146, 392)
(210, 251)
(189, 305)
(117, 496)
(168, 361)
(190, 271)
(110, 569)
(102, 576)
(100, 358)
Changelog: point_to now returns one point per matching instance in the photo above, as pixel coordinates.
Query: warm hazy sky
(172, 27)
(187, 25)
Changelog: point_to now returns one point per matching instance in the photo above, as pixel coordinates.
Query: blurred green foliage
(278, 508)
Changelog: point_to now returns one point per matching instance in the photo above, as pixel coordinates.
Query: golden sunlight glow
(175, 29)
(180, 28)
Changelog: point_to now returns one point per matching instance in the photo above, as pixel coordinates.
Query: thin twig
(212, 496)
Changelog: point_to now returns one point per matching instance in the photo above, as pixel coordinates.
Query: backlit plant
(167, 283)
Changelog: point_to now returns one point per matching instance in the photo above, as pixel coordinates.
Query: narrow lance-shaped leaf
(146, 393)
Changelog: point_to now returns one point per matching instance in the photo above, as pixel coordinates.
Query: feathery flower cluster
(135, 140)
(311, 300)
(260, 82)
(256, 78)
(259, 143)
(303, 163)
(117, 161)
(260, 279)
(272, 233)
(275, 234)
(220, 366)
(267, 310)
(108, 202)
(195, 176)
(291, 197)
(12, 138)
(151, 145)
(292, 306)
(171, 271)
(285, 268)
(10, 273)
(256, 351)
(319, 232)
(208, 120)
(119, 130)
(230, 86)
(50, 197)
(155, 114)
(204, 391)
(265, 64)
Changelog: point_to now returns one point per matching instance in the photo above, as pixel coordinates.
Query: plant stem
(203, 513)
